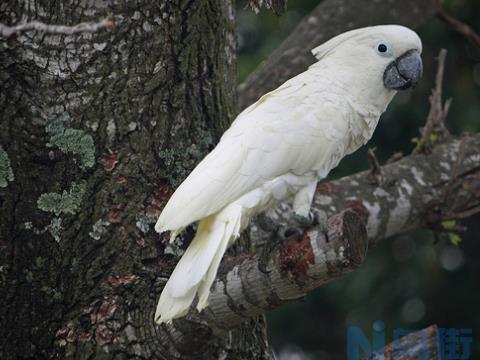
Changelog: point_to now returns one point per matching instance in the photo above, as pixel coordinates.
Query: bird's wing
(284, 131)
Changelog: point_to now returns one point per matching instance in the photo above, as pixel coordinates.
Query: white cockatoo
(281, 146)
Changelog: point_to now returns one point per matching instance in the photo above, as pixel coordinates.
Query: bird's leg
(296, 225)
(304, 215)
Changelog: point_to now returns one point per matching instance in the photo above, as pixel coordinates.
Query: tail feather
(233, 227)
(197, 269)
(196, 260)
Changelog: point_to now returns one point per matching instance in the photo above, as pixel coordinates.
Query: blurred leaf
(454, 238)
(449, 224)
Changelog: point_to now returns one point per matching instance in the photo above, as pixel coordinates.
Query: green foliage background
(408, 281)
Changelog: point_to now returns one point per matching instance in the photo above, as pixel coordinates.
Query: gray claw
(315, 217)
(304, 222)
(266, 223)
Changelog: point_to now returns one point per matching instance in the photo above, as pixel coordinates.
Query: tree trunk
(98, 130)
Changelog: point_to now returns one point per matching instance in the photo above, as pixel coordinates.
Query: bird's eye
(382, 48)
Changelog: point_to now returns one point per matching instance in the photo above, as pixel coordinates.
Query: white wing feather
(267, 140)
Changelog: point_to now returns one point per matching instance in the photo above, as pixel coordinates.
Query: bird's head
(385, 56)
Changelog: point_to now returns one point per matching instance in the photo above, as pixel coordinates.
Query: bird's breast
(362, 121)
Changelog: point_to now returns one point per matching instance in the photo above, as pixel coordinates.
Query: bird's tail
(196, 270)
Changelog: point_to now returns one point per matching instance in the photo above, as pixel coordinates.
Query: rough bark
(329, 18)
(80, 264)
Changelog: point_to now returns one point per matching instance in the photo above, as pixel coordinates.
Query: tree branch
(403, 202)
(458, 26)
(106, 24)
(434, 129)
(376, 172)
(329, 18)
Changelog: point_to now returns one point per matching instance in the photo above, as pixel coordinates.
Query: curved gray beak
(404, 72)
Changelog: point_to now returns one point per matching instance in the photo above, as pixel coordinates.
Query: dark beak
(404, 72)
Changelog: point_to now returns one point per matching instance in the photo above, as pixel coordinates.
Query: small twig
(435, 129)
(463, 214)
(395, 157)
(106, 24)
(376, 173)
(458, 26)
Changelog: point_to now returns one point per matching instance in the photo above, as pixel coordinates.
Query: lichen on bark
(68, 202)
(74, 141)
(6, 172)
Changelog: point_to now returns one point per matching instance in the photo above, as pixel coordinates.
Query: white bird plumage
(276, 149)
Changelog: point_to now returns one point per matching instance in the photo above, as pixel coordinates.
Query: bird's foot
(277, 235)
(296, 225)
(304, 222)
(266, 223)
(314, 218)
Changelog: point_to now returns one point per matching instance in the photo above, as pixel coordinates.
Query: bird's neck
(363, 98)
(364, 93)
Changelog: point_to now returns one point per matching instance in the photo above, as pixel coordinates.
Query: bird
(279, 147)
